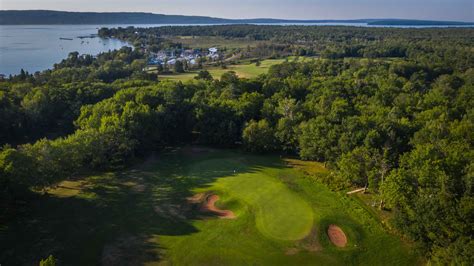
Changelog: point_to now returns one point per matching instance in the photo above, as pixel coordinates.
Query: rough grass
(282, 217)
(244, 70)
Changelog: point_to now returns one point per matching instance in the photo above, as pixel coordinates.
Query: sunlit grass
(244, 70)
(282, 214)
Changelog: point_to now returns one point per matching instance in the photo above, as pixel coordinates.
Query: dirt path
(337, 236)
(209, 206)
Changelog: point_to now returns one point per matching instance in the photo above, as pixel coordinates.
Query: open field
(143, 216)
(215, 41)
(244, 70)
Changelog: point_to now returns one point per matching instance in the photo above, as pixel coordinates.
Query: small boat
(88, 36)
(65, 39)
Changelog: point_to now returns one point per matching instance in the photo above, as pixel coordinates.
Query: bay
(38, 47)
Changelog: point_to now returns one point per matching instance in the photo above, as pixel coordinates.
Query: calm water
(38, 47)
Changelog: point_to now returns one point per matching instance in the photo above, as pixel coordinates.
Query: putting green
(141, 216)
(279, 212)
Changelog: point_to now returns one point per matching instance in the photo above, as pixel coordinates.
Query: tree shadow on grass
(114, 230)
(117, 217)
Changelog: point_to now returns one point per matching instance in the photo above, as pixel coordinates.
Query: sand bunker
(337, 236)
(206, 203)
(197, 199)
(209, 206)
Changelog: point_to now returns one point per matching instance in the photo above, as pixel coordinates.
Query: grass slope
(244, 70)
(140, 217)
(280, 213)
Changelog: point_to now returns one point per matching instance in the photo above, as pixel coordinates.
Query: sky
(458, 10)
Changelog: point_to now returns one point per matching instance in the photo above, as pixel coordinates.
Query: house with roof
(191, 56)
(213, 53)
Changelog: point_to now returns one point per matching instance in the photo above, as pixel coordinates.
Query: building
(213, 53)
(191, 56)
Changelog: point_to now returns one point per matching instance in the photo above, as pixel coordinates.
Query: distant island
(48, 17)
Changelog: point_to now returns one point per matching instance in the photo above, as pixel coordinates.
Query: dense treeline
(400, 127)
(449, 47)
(45, 104)
(327, 34)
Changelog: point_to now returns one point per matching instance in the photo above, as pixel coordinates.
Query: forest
(391, 110)
(443, 47)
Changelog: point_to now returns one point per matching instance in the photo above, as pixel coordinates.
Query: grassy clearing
(141, 216)
(244, 70)
(280, 213)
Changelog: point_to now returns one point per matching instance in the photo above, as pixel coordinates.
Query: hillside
(32, 17)
(48, 17)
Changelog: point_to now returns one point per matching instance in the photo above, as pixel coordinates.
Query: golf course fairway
(279, 212)
(144, 216)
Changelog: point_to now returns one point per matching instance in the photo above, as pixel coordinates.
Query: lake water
(39, 47)
(36, 48)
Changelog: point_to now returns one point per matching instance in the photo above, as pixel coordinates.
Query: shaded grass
(275, 205)
(280, 213)
(242, 241)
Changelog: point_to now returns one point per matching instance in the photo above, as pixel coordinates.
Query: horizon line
(255, 18)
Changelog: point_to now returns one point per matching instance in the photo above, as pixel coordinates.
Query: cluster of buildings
(191, 56)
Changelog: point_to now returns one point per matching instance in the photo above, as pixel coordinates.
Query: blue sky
(462, 10)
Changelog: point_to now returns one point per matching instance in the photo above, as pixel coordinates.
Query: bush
(259, 136)
(49, 261)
